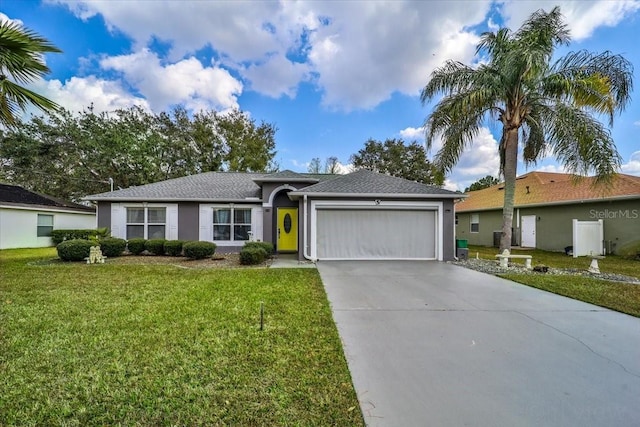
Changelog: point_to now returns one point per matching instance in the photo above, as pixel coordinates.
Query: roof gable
(543, 188)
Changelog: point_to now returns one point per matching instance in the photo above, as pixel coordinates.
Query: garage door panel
(376, 234)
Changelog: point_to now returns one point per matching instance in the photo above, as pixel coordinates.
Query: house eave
(288, 180)
(26, 206)
(294, 195)
(170, 199)
(557, 203)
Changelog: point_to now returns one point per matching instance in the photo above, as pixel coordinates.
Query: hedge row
(78, 249)
(59, 236)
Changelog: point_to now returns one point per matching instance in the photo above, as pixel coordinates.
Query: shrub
(155, 246)
(268, 247)
(136, 246)
(112, 246)
(74, 250)
(173, 247)
(199, 250)
(59, 236)
(252, 255)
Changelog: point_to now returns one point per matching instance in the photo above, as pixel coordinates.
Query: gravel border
(493, 267)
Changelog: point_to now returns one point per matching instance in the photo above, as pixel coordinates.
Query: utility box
(462, 254)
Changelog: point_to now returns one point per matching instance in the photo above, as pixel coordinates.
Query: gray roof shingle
(18, 196)
(237, 186)
(367, 182)
(286, 175)
(223, 186)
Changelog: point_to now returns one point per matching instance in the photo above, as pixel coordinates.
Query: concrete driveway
(433, 344)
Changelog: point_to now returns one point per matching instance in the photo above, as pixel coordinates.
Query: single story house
(546, 205)
(27, 218)
(361, 215)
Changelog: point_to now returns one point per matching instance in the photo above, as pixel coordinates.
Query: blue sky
(329, 74)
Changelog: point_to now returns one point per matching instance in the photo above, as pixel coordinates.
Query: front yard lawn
(161, 345)
(623, 297)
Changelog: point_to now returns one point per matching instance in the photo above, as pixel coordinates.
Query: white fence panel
(588, 238)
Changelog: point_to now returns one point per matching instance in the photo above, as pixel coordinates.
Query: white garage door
(376, 234)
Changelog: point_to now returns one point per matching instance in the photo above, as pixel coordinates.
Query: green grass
(159, 345)
(623, 297)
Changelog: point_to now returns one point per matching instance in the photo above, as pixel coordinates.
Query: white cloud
(345, 169)
(480, 159)
(185, 82)
(582, 17)
(76, 94)
(238, 29)
(413, 134)
(452, 186)
(359, 52)
(276, 77)
(633, 166)
(370, 50)
(636, 123)
(4, 18)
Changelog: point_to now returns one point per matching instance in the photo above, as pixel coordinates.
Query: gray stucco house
(361, 215)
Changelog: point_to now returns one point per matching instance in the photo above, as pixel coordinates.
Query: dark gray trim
(104, 215)
(188, 221)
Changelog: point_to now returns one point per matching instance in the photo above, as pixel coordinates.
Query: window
(45, 225)
(456, 219)
(231, 224)
(146, 223)
(475, 223)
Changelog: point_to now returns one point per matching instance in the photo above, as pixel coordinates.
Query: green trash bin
(461, 243)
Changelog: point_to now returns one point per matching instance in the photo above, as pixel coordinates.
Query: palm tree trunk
(509, 171)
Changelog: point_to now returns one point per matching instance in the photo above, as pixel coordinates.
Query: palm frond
(21, 52)
(457, 120)
(452, 77)
(601, 82)
(14, 98)
(533, 137)
(581, 143)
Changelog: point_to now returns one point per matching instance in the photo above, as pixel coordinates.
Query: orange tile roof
(542, 188)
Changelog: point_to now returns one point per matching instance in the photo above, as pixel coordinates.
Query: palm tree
(547, 108)
(21, 61)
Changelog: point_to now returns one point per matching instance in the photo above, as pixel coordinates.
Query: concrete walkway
(289, 261)
(433, 344)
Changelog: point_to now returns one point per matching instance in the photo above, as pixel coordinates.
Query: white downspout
(305, 254)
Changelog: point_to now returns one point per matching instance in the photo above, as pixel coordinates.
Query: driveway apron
(434, 344)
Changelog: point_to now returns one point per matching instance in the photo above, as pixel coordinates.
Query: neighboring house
(546, 204)
(27, 218)
(362, 215)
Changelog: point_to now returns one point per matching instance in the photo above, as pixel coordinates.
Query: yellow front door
(287, 230)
